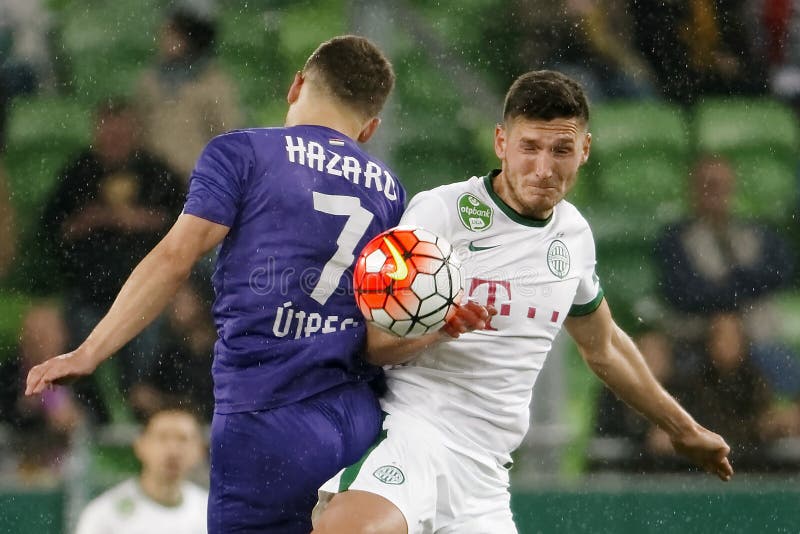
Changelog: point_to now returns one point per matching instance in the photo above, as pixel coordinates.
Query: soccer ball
(407, 281)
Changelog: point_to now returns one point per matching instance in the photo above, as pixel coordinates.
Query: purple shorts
(267, 466)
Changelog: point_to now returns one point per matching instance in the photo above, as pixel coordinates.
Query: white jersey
(478, 389)
(125, 509)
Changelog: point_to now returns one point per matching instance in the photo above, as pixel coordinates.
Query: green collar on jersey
(508, 210)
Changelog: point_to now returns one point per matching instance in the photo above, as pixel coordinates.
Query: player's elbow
(173, 259)
(383, 348)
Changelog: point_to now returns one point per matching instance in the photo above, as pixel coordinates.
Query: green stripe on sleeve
(578, 310)
(350, 473)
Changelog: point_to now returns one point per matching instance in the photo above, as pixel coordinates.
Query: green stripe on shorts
(350, 473)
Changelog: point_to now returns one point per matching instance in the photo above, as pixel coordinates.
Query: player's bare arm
(386, 349)
(147, 291)
(616, 360)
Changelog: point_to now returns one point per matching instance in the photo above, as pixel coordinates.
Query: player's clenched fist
(58, 370)
(469, 316)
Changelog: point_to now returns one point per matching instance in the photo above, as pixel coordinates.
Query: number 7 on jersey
(358, 220)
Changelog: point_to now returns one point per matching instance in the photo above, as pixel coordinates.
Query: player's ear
(368, 129)
(587, 145)
(500, 141)
(294, 89)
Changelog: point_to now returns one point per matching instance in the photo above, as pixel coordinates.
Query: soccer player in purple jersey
(291, 207)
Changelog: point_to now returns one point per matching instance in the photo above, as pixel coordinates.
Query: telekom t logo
(505, 309)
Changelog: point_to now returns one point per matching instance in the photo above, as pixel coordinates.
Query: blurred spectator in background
(111, 205)
(25, 53)
(725, 389)
(699, 47)
(181, 374)
(730, 392)
(41, 428)
(186, 98)
(588, 39)
(713, 262)
(776, 28)
(7, 233)
(25, 43)
(636, 444)
(17, 75)
(160, 500)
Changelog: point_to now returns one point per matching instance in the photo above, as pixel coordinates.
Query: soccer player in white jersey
(160, 500)
(456, 410)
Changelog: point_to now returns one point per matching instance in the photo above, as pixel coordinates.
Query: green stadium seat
(636, 197)
(123, 23)
(307, 24)
(48, 123)
(627, 270)
(99, 78)
(424, 164)
(734, 126)
(32, 174)
(647, 183)
(639, 163)
(12, 309)
(106, 49)
(766, 188)
(628, 277)
(788, 306)
(43, 132)
(624, 128)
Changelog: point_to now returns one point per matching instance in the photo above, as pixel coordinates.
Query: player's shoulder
(126, 487)
(246, 144)
(569, 220)
(234, 140)
(570, 215)
(192, 491)
(112, 497)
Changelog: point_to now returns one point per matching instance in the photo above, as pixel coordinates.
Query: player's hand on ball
(59, 370)
(706, 449)
(468, 317)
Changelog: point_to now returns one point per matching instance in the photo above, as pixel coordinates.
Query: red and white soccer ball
(407, 281)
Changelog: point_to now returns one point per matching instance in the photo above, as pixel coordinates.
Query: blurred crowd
(110, 204)
(679, 50)
(716, 348)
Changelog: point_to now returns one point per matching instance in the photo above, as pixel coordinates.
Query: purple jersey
(300, 203)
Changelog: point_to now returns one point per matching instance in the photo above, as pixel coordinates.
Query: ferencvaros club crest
(558, 258)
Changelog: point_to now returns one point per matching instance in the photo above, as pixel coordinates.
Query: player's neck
(505, 192)
(717, 221)
(324, 114)
(164, 493)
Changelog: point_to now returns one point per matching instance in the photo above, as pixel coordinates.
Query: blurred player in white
(457, 410)
(160, 500)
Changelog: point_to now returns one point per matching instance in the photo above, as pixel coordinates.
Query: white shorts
(437, 489)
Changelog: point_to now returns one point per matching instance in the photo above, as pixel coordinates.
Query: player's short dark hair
(354, 71)
(546, 95)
